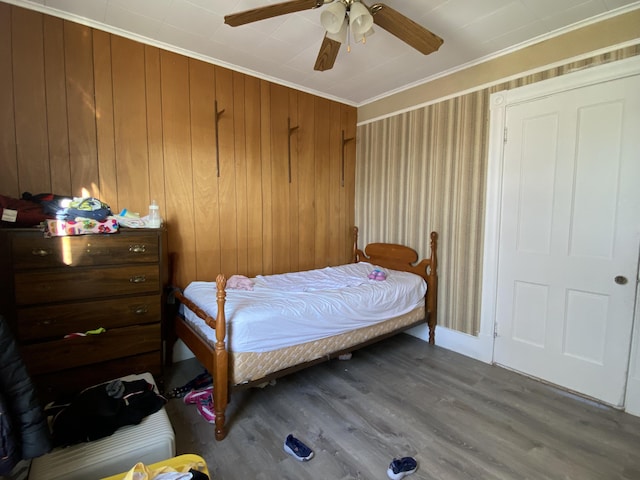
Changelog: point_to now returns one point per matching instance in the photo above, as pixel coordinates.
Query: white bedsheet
(279, 313)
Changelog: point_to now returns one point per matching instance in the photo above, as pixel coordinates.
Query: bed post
(221, 362)
(432, 292)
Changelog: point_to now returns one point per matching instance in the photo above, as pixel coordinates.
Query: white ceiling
(284, 49)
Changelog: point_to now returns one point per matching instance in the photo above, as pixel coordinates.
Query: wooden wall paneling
(177, 164)
(34, 173)
(205, 178)
(56, 93)
(322, 180)
(242, 207)
(306, 179)
(105, 136)
(130, 124)
(227, 182)
(281, 228)
(337, 214)
(253, 155)
(154, 127)
(266, 178)
(81, 110)
(8, 154)
(294, 212)
(349, 121)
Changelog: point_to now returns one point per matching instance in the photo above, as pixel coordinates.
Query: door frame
(497, 123)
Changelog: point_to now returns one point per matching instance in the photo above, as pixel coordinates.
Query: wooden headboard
(403, 258)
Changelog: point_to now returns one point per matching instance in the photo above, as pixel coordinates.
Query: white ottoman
(151, 441)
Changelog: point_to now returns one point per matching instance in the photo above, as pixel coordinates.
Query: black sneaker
(297, 449)
(400, 467)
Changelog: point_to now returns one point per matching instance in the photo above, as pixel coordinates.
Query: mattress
(151, 441)
(291, 319)
(249, 366)
(302, 307)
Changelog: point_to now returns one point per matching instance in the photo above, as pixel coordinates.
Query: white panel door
(570, 224)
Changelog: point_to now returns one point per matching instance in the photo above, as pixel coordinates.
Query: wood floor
(460, 418)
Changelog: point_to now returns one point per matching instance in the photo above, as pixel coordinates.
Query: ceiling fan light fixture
(338, 18)
(341, 36)
(360, 20)
(362, 37)
(332, 17)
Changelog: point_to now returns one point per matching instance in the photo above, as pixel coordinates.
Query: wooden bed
(219, 361)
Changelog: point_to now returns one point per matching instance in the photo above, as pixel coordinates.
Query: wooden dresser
(64, 285)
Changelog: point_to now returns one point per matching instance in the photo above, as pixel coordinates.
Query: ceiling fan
(342, 16)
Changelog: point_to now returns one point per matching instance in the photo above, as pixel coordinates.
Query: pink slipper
(206, 410)
(195, 397)
(380, 275)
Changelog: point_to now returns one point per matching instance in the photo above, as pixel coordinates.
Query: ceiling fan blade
(405, 29)
(269, 11)
(327, 54)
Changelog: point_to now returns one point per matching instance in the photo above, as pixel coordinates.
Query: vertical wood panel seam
(66, 101)
(13, 97)
(46, 103)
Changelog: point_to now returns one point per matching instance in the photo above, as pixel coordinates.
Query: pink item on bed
(240, 282)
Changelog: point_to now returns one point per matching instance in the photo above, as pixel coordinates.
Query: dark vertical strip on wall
(153, 102)
(176, 127)
(81, 110)
(240, 155)
(305, 136)
(30, 101)
(253, 151)
(202, 87)
(105, 133)
(226, 183)
(8, 155)
(58, 132)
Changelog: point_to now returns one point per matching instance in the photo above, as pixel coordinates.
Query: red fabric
(29, 213)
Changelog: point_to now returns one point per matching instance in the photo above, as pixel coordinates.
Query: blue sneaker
(297, 449)
(401, 467)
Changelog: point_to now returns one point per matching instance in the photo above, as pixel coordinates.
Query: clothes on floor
(201, 381)
(99, 411)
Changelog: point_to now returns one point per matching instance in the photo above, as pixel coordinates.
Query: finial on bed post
(432, 293)
(355, 245)
(221, 364)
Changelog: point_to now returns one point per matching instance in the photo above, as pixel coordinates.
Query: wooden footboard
(216, 359)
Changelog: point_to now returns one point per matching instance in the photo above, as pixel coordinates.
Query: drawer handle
(141, 309)
(138, 279)
(40, 252)
(137, 248)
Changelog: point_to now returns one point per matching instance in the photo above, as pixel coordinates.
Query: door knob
(621, 280)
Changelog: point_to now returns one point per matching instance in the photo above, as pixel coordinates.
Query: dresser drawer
(74, 352)
(42, 286)
(60, 384)
(31, 251)
(56, 321)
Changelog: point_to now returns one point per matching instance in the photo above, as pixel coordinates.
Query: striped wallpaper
(425, 170)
